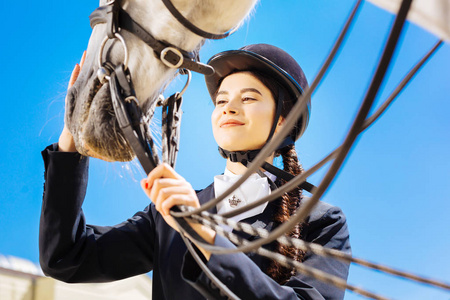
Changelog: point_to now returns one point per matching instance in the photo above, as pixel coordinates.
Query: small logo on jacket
(234, 201)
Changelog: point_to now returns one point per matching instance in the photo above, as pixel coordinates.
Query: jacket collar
(263, 220)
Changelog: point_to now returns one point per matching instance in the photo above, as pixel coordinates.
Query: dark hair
(279, 93)
(289, 202)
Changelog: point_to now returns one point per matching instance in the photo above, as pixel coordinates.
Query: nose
(230, 108)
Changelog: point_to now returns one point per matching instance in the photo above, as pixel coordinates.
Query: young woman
(253, 89)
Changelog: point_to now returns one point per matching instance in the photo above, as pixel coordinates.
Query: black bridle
(126, 106)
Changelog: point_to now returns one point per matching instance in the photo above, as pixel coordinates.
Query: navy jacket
(73, 251)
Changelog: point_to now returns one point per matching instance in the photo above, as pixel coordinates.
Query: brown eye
(220, 101)
(247, 99)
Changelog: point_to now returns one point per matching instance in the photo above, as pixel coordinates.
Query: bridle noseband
(124, 101)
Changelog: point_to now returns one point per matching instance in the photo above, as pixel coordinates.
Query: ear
(280, 124)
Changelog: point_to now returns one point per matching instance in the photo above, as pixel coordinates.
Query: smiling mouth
(231, 123)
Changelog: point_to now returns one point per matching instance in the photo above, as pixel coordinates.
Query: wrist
(66, 142)
(208, 235)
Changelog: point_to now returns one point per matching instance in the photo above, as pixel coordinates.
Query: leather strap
(239, 156)
(186, 23)
(287, 176)
(279, 104)
(245, 157)
(171, 118)
(129, 117)
(169, 54)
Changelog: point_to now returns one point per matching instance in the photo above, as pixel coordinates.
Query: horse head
(90, 115)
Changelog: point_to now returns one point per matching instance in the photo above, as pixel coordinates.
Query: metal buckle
(168, 63)
(103, 73)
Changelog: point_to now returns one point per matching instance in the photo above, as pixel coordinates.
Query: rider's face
(244, 113)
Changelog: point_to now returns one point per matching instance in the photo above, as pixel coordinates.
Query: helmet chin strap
(245, 157)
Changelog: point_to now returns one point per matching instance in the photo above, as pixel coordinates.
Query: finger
(76, 70)
(162, 171)
(163, 188)
(173, 200)
(144, 186)
(165, 183)
(83, 57)
(74, 76)
(161, 195)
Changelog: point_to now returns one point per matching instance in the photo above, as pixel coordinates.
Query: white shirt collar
(253, 189)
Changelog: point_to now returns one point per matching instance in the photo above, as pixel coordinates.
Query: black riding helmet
(271, 61)
(281, 67)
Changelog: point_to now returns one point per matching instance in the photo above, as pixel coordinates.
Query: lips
(230, 123)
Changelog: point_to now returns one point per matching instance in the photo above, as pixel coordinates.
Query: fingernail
(146, 185)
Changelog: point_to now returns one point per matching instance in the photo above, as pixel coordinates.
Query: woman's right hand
(66, 142)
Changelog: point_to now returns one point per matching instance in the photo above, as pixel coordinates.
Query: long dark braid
(288, 204)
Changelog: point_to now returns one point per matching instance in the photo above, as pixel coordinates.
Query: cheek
(215, 116)
(263, 117)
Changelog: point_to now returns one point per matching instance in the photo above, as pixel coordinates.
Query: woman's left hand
(167, 188)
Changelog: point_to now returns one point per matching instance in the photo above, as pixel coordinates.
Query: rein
(126, 106)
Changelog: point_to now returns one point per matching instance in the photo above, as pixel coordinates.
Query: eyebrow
(244, 90)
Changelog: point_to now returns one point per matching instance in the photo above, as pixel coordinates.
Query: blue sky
(394, 187)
